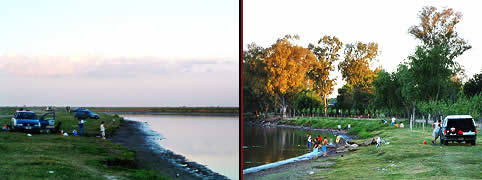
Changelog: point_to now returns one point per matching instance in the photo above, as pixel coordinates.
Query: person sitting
(397, 125)
(401, 125)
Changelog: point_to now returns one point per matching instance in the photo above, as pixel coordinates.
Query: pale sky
(384, 22)
(119, 53)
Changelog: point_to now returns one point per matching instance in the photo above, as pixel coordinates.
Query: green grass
(407, 157)
(361, 128)
(25, 157)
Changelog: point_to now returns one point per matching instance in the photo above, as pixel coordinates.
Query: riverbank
(137, 136)
(51, 156)
(404, 157)
(273, 166)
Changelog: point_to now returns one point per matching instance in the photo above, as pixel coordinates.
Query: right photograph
(361, 90)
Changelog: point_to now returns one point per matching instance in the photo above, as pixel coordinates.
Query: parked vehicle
(47, 123)
(85, 114)
(458, 128)
(27, 120)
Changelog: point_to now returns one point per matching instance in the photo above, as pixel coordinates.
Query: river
(212, 141)
(263, 145)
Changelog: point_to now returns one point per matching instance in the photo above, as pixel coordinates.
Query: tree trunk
(283, 107)
(326, 107)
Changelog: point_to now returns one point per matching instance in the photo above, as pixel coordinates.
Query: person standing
(436, 129)
(309, 141)
(81, 127)
(102, 129)
(325, 142)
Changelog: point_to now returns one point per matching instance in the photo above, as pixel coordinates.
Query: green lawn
(359, 127)
(407, 157)
(34, 157)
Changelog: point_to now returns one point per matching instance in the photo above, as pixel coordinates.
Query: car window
(26, 115)
(461, 123)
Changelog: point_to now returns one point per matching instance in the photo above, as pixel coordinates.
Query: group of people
(395, 123)
(81, 128)
(318, 143)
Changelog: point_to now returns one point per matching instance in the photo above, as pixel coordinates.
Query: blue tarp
(279, 163)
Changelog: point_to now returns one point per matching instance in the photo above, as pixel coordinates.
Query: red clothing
(319, 138)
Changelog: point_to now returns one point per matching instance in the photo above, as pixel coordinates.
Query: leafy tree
(387, 92)
(438, 27)
(286, 65)
(326, 52)
(474, 85)
(427, 74)
(355, 68)
(255, 77)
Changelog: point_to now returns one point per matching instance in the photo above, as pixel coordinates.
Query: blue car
(85, 114)
(28, 121)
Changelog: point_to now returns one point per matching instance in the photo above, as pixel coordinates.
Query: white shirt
(309, 138)
(102, 127)
(393, 119)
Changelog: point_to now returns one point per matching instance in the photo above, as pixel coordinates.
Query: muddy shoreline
(138, 137)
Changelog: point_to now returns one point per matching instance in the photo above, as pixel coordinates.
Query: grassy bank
(359, 127)
(407, 157)
(43, 156)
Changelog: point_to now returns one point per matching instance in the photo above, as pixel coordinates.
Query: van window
(462, 124)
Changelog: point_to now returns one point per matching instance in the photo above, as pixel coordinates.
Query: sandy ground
(150, 155)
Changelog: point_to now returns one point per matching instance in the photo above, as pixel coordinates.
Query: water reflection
(208, 140)
(262, 145)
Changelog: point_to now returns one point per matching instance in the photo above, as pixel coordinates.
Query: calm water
(263, 145)
(212, 141)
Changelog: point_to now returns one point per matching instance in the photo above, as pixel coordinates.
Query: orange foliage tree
(286, 66)
(326, 52)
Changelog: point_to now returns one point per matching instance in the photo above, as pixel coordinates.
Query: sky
(119, 53)
(384, 22)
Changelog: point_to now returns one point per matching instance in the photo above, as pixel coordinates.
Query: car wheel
(473, 142)
(446, 142)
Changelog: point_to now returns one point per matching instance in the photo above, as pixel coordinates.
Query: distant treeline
(139, 109)
(167, 109)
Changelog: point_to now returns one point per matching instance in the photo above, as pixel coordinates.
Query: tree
(355, 70)
(474, 85)
(430, 69)
(255, 77)
(286, 65)
(326, 52)
(438, 27)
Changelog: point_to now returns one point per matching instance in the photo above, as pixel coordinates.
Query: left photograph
(119, 89)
